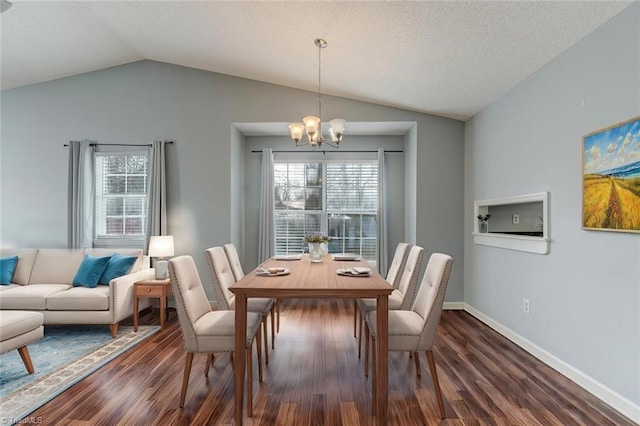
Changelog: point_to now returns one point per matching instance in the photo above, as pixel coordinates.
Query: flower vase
(483, 227)
(317, 251)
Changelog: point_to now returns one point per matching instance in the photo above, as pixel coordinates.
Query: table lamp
(161, 246)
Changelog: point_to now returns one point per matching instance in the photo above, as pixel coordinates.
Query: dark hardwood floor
(315, 378)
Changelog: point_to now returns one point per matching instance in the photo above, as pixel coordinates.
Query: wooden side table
(160, 289)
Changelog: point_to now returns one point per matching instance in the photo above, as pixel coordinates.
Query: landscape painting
(611, 178)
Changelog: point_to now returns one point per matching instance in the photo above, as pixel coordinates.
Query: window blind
(121, 194)
(339, 198)
(352, 204)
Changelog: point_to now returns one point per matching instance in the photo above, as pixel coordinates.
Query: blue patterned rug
(65, 355)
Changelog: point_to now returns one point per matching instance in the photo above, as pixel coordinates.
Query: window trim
(106, 241)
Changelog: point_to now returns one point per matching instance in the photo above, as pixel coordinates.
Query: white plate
(266, 273)
(287, 257)
(354, 272)
(346, 256)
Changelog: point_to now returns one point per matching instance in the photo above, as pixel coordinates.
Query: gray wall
(437, 165)
(585, 294)
(142, 101)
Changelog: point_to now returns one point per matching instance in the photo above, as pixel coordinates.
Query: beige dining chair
(204, 330)
(236, 267)
(400, 298)
(234, 261)
(223, 278)
(393, 277)
(414, 330)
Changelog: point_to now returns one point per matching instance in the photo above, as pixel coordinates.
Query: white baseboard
(618, 402)
(453, 306)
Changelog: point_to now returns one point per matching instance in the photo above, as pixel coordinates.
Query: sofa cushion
(80, 299)
(30, 297)
(56, 266)
(90, 271)
(117, 267)
(138, 253)
(7, 268)
(7, 287)
(26, 259)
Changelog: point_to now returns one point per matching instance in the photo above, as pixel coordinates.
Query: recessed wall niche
(516, 223)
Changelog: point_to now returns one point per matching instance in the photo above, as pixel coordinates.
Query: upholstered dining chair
(400, 298)
(393, 277)
(204, 330)
(414, 330)
(234, 261)
(223, 278)
(236, 267)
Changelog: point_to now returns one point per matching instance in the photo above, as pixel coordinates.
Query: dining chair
(207, 331)
(400, 298)
(414, 330)
(393, 277)
(223, 278)
(234, 261)
(236, 267)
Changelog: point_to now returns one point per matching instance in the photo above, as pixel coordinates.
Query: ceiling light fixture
(313, 125)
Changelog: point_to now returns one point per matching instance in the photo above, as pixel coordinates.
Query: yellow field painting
(611, 178)
(611, 203)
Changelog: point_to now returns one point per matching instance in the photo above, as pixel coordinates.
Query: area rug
(65, 355)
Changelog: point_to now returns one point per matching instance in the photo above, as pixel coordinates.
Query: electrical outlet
(516, 219)
(526, 306)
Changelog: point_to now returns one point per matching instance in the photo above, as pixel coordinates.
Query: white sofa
(43, 278)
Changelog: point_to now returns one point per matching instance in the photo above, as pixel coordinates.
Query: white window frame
(325, 213)
(105, 240)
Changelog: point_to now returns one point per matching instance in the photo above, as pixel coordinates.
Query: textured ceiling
(447, 58)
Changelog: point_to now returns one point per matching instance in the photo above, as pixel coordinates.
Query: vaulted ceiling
(448, 58)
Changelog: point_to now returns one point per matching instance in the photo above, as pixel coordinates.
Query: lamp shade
(311, 123)
(161, 246)
(337, 124)
(296, 131)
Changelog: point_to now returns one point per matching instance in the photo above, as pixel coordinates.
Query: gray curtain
(156, 191)
(383, 257)
(266, 241)
(81, 194)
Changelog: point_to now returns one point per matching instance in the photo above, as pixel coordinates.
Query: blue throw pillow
(7, 268)
(90, 271)
(117, 267)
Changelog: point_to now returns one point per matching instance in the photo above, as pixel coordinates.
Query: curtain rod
(120, 144)
(324, 152)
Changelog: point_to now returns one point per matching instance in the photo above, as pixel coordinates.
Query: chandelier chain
(319, 79)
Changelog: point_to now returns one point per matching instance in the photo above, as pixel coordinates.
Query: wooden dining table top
(311, 279)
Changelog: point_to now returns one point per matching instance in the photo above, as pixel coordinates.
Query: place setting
(272, 272)
(357, 271)
(346, 257)
(287, 257)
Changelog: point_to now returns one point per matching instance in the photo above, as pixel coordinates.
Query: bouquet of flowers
(316, 237)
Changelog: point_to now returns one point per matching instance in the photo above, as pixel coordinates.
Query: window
(121, 195)
(338, 198)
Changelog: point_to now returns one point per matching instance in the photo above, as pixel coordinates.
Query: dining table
(299, 277)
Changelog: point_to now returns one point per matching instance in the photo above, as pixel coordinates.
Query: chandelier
(313, 125)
